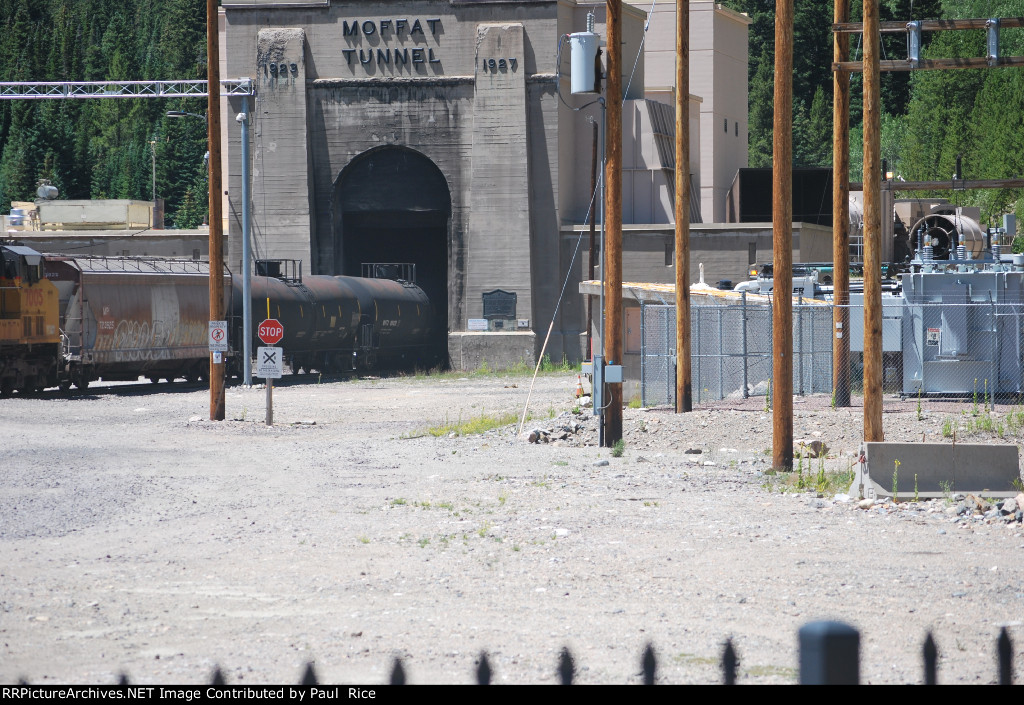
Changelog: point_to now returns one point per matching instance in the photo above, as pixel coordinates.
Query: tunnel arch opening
(393, 204)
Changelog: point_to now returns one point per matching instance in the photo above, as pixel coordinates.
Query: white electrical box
(584, 46)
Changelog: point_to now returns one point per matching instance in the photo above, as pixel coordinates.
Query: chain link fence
(967, 349)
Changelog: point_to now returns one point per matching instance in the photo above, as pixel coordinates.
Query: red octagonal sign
(270, 331)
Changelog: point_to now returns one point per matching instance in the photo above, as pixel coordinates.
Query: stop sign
(270, 331)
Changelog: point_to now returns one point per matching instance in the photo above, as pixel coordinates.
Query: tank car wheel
(6, 388)
(64, 385)
(196, 373)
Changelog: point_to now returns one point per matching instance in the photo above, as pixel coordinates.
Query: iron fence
(829, 654)
(969, 349)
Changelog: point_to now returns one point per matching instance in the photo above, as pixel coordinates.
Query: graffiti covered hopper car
(125, 318)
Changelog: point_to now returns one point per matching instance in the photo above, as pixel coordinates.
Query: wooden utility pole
(216, 219)
(872, 227)
(841, 213)
(613, 221)
(782, 241)
(684, 371)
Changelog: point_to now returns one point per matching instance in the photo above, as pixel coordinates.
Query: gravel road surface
(138, 537)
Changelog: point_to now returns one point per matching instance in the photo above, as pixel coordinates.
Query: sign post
(270, 360)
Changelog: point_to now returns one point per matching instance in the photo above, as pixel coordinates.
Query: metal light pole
(152, 149)
(216, 251)
(243, 119)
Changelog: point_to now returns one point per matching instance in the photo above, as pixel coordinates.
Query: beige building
(718, 75)
(442, 133)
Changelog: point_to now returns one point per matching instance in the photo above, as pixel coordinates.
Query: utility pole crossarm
(41, 90)
(892, 26)
(963, 62)
(948, 185)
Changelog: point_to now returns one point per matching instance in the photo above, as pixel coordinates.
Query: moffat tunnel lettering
(387, 30)
(384, 56)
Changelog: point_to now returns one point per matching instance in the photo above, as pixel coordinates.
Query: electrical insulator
(914, 42)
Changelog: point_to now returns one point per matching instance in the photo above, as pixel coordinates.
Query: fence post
(743, 298)
(649, 665)
(931, 661)
(829, 654)
(643, 354)
(721, 352)
(397, 673)
(566, 667)
(814, 347)
(771, 334)
(995, 353)
(799, 357)
(670, 340)
(1005, 649)
(483, 670)
(696, 379)
(729, 663)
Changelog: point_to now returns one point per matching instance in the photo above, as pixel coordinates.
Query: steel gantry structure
(39, 90)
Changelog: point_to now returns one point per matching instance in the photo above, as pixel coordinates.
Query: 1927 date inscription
(499, 65)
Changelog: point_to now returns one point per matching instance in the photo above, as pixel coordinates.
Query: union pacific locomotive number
(33, 298)
(498, 64)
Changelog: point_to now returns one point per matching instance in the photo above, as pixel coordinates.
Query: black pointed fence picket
(829, 655)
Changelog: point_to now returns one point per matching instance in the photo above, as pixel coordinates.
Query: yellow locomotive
(29, 322)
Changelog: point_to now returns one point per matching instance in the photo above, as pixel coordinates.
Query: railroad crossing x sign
(269, 363)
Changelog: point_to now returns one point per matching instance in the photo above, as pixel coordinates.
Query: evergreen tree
(760, 114)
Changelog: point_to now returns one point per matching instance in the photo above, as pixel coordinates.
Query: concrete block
(500, 351)
(280, 169)
(498, 252)
(978, 468)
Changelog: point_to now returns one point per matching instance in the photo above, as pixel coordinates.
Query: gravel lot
(138, 537)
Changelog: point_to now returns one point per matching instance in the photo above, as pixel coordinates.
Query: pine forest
(131, 149)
